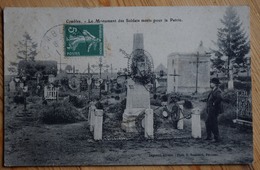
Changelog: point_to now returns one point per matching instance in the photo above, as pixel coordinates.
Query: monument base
(129, 118)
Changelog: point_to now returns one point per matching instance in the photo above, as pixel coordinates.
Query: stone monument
(138, 97)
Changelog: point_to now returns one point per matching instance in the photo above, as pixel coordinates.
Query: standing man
(214, 108)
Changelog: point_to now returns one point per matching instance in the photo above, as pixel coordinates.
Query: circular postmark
(52, 43)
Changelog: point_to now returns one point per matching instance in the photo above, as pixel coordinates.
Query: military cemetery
(134, 105)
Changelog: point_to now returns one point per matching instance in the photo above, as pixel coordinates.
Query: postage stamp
(83, 40)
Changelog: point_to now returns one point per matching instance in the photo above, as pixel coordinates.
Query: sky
(160, 38)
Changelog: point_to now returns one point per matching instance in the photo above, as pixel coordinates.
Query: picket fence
(50, 93)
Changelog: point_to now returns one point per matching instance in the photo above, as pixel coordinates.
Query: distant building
(189, 72)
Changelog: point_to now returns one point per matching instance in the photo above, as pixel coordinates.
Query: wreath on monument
(141, 66)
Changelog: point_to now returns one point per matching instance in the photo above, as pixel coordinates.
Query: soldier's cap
(215, 81)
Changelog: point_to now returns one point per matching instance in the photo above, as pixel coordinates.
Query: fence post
(56, 93)
(91, 117)
(45, 92)
(195, 123)
(181, 121)
(148, 125)
(51, 93)
(98, 126)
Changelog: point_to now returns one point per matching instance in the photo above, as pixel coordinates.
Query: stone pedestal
(129, 117)
(137, 101)
(195, 123)
(181, 121)
(98, 124)
(148, 125)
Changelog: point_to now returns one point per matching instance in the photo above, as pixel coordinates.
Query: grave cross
(89, 73)
(89, 81)
(197, 62)
(174, 75)
(38, 75)
(60, 63)
(112, 69)
(100, 65)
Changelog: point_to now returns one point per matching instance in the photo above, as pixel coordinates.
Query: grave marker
(138, 97)
(91, 116)
(98, 125)
(195, 123)
(12, 86)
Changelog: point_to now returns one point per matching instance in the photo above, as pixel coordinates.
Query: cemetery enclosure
(60, 123)
(254, 5)
(115, 117)
(32, 138)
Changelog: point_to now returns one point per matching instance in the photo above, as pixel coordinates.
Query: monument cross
(197, 62)
(174, 75)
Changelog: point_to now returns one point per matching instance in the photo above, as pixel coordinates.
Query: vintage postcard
(127, 86)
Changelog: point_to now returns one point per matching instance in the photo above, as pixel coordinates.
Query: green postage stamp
(83, 40)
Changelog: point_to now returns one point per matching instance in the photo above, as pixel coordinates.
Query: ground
(30, 142)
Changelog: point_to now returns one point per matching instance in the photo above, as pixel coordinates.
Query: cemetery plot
(63, 142)
(115, 117)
